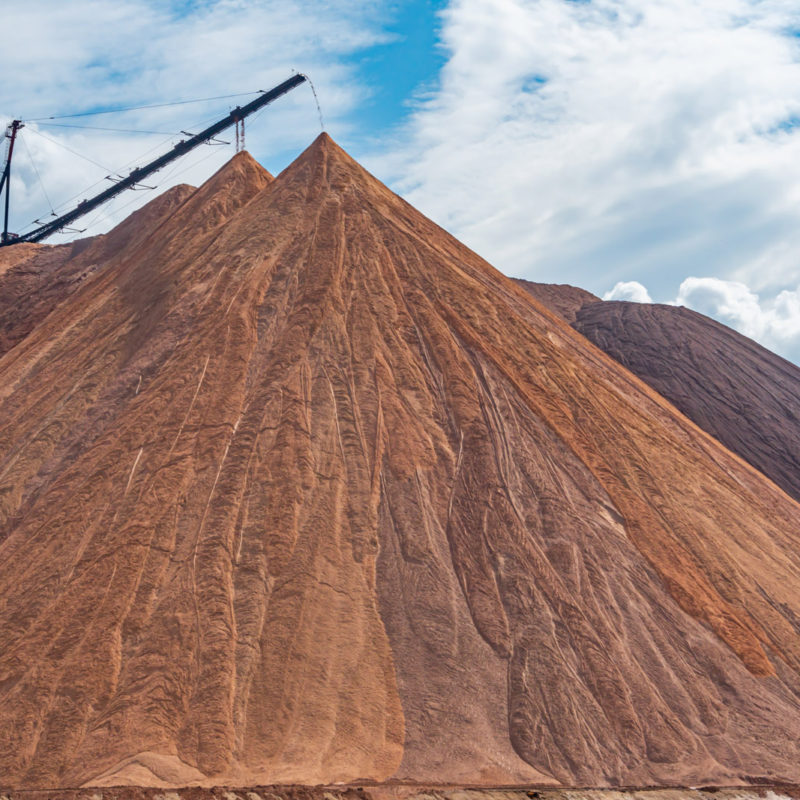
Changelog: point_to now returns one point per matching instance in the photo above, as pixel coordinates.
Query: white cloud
(773, 322)
(89, 54)
(582, 141)
(629, 290)
(589, 142)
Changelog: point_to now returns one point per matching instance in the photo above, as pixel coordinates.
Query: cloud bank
(93, 54)
(632, 291)
(773, 322)
(612, 144)
(607, 141)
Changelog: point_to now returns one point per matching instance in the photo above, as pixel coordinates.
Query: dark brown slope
(736, 390)
(302, 490)
(562, 298)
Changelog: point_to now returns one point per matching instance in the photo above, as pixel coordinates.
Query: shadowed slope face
(562, 298)
(304, 490)
(736, 390)
(35, 278)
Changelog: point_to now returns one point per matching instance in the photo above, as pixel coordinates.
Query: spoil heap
(302, 490)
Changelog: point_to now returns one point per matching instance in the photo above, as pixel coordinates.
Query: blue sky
(402, 67)
(642, 149)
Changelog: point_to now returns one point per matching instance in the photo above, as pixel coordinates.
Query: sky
(646, 150)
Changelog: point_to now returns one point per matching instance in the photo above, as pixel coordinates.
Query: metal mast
(5, 180)
(137, 175)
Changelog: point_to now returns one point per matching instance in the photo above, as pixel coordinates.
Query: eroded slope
(302, 490)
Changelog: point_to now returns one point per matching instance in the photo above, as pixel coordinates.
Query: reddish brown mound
(301, 489)
(405, 792)
(35, 278)
(31, 284)
(9, 256)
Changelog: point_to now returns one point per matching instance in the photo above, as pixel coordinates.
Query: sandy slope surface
(302, 490)
(562, 298)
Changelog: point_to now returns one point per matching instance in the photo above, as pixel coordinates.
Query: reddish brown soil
(42, 276)
(302, 490)
(406, 792)
(739, 392)
(206, 793)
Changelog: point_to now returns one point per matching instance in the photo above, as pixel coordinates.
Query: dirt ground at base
(406, 792)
